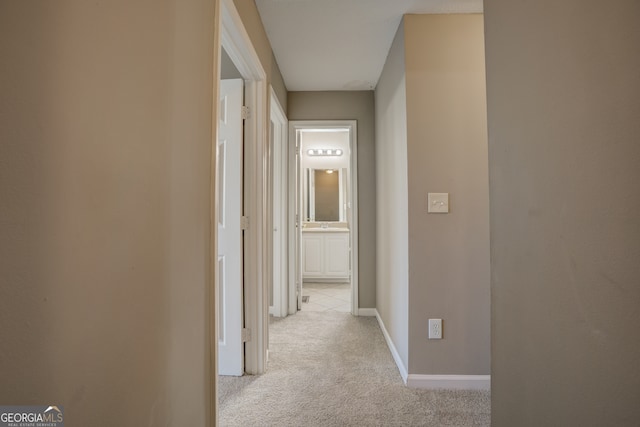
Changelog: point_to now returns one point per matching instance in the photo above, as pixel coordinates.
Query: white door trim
(280, 199)
(237, 44)
(295, 125)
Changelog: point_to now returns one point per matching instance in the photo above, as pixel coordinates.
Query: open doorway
(242, 306)
(324, 219)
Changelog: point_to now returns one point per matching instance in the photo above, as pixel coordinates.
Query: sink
(318, 225)
(325, 230)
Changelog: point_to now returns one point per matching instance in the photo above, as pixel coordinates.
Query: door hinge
(246, 334)
(244, 222)
(245, 112)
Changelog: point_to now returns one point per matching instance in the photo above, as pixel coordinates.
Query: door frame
(294, 126)
(279, 152)
(236, 42)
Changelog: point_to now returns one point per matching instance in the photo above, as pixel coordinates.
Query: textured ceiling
(340, 44)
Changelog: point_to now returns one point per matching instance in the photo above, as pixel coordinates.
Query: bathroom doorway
(324, 227)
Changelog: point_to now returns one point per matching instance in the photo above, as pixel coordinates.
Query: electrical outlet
(435, 329)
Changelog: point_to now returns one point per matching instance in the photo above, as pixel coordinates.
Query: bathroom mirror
(324, 195)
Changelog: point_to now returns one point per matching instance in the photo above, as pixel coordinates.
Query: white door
(312, 255)
(336, 255)
(229, 298)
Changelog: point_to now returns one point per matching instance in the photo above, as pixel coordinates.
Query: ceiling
(340, 44)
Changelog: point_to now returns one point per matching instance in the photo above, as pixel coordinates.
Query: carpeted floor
(334, 369)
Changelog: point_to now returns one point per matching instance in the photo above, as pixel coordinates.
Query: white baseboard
(451, 382)
(392, 348)
(367, 312)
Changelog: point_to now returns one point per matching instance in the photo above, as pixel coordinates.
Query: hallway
(334, 369)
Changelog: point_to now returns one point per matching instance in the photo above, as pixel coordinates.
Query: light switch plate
(438, 203)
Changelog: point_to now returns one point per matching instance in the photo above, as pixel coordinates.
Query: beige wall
(105, 130)
(447, 152)
(564, 160)
(253, 24)
(357, 105)
(392, 231)
(431, 137)
(277, 82)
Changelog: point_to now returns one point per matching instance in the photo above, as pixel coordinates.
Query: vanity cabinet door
(336, 255)
(325, 256)
(312, 255)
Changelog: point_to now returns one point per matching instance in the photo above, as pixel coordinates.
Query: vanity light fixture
(329, 170)
(325, 152)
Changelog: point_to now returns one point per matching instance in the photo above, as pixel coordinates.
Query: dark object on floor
(305, 299)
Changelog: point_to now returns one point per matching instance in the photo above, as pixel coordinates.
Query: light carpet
(334, 369)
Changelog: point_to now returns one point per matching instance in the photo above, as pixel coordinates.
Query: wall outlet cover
(435, 329)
